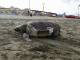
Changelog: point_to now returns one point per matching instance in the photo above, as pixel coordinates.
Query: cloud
(70, 1)
(58, 6)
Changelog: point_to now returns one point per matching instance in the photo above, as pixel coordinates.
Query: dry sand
(66, 47)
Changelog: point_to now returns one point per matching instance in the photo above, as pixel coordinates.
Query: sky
(55, 6)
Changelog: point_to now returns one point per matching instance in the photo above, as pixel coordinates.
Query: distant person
(28, 13)
(31, 14)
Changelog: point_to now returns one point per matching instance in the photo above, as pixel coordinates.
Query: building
(37, 13)
(4, 10)
(11, 10)
(50, 14)
(25, 12)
